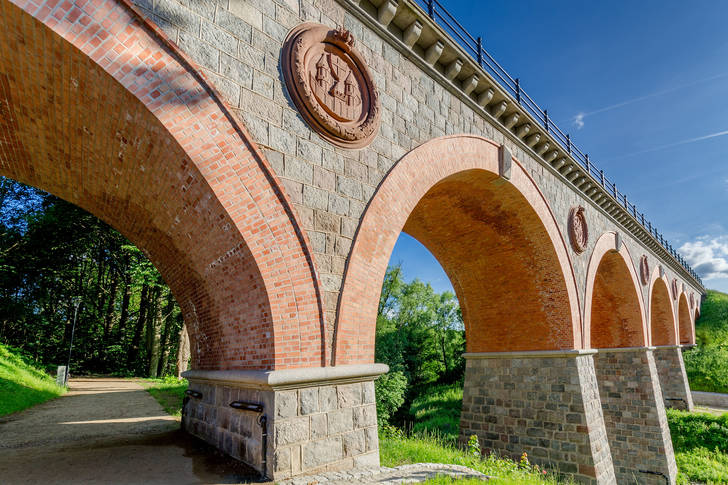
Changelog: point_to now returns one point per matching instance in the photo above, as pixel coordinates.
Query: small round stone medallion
(644, 270)
(578, 230)
(330, 84)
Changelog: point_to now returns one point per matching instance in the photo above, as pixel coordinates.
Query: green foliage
(707, 364)
(21, 384)
(168, 391)
(474, 445)
(431, 448)
(700, 441)
(390, 389)
(420, 335)
(52, 252)
(439, 409)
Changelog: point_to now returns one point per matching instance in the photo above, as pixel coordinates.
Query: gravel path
(107, 431)
(415, 473)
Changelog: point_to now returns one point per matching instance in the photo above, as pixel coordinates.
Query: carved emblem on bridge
(644, 270)
(331, 85)
(578, 230)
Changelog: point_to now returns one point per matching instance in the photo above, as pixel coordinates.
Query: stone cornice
(290, 378)
(406, 27)
(529, 354)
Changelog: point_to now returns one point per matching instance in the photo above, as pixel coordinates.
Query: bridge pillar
(288, 422)
(635, 417)
(543, 403)
(673, 378)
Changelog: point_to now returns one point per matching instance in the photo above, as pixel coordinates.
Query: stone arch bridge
(266, 155)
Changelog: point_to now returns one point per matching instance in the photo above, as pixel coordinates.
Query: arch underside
(616, 316)
(685, 322)
(114, 122)
(662, 320)
(500, 260)
(495, 238)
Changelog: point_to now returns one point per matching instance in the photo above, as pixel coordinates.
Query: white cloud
(579, 120)
(708, 256)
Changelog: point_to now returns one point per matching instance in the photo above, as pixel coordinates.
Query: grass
(707, 365)
(439, 410)
(168, 392)
(700, 441)
(21, 384)
(396, 448)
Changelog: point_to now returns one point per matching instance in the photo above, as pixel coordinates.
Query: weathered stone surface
(546, 407)
(286, 404)
(673, 378)
(309, 400)
(317, 453)
(634, 413)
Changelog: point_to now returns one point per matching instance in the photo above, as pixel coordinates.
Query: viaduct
(266, 154)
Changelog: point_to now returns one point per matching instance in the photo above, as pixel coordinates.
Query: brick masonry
(311, 428)
(635, 417)
(673, 378)
(547, 407)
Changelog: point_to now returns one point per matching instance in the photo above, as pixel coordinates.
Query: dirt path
(107, 431)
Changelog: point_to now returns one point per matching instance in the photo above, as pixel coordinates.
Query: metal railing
(473, 46)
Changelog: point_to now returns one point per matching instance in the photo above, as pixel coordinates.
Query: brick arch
(497, 240)
(613, 307)
(110, 116)
(686, 328)
(661, 311)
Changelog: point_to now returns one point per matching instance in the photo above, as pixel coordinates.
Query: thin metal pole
(70, 347)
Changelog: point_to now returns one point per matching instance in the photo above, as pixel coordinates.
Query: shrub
(390, 390)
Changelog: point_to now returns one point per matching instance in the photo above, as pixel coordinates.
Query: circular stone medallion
(330, 84)
(644, 270)
(578, 230)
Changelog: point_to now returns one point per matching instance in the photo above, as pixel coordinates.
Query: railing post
(518, 90)
(601, 177)
(431, 9)
(568, 143)
(480, 51)
(588, 168)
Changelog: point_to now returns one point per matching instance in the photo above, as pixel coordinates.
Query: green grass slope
(21, 384)
(707, 364)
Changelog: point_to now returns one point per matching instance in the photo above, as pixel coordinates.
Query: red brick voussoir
(99, 108)
(496, 239)
(614, 313)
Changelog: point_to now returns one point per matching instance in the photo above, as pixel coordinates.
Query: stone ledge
(624, 349)
(291, 378)
(530, 354)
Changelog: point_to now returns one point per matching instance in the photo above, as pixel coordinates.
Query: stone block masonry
(316, 420)
(673, 378)
(635, 417)
(545, 404)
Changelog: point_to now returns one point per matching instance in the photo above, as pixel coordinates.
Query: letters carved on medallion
(331, 85)
(578, 230)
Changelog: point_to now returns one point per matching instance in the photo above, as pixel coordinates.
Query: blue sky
(643, 88)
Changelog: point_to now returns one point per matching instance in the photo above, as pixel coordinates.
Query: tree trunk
(108, 318)
(136, 339)
(183, 351)
(124, 309)
(167, 330)
(153, 325)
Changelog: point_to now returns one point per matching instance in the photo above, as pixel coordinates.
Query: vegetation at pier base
(707, 363)
(52, 252)
(21, 384)
(700, 441)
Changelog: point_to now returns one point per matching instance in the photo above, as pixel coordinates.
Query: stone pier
(545, 404)
(673, 378)
(634, 413)
(314, 420)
